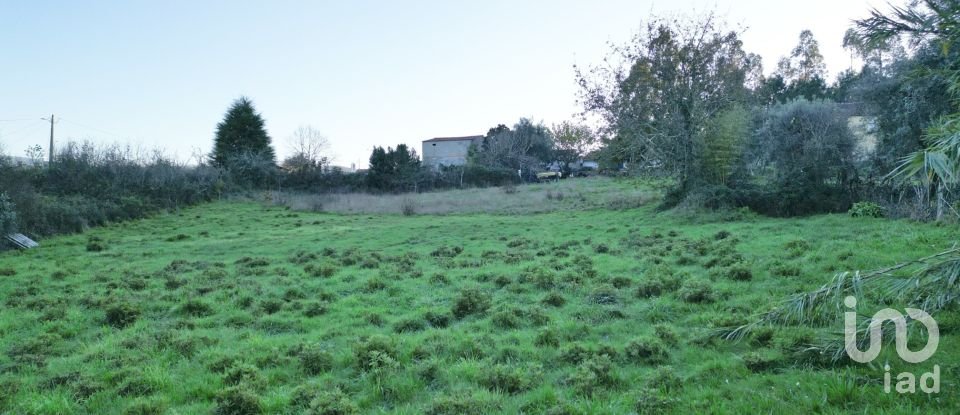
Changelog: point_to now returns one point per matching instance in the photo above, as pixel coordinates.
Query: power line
(111, 134)
(31, 125)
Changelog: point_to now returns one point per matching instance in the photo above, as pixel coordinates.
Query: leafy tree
(727, 135)
(525, 146)
(393, 169)
(802, 155)
(664, 87)
(308, 152)
(241, 136)
(805, 62)
(801, 75)
(8, 215)
(574, 138)
(934, 23)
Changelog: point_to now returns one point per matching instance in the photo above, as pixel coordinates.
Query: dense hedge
(88, 187)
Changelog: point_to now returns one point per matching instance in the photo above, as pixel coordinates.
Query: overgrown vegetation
(523, 315)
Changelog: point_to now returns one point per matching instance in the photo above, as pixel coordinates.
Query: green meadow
(240, 307)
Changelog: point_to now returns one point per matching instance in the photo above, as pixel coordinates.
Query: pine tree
(241, 134)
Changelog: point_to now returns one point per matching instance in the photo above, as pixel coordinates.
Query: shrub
(315, 359)
(8, 215)
(554, 299)
(409, 325)
(9, 272)
(696, 291)
(657, 285)
(601, 249)
(242, 374)
(547, 337)
(461, 404)
(315, 308)
(762, 360)
(665, 378)
(575, 353)
(374, 284)
(437, 319)
(271, 306)
(196, 308)
(784, 269)
(507, 319)
(471, 301)
(447, 252)
(666, 334)
(867, 210)
(508, 379)
(333, 402)
(324, 270)
(178, 237)
(439, 279)
(604, 295)
(621, 282)
(593, 374)
(739, 272)
(238, 400)
(122, 314)
(408, 207)
(145, 407)
(375, 352)
(502, 281)
(645, 351)
(95, 244)
(653, 402)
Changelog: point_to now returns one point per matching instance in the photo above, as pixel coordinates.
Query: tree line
(684, 99)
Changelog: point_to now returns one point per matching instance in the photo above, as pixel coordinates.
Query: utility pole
(50, 159)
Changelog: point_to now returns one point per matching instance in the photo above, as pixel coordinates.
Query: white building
(448, 151)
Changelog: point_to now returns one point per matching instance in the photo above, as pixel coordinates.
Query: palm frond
(933, 286)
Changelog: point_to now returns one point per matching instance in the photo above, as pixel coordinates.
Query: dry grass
(571, 194)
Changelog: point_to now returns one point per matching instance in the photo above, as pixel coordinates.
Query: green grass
(245, 306)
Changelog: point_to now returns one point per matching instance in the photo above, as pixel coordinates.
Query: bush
(315, 359)
(409, 325)
(656, 285)
(8, 215)
(554, 298)
(739, 272)
(315, 308)
(547, 337)
(196, 308)
(324, 270)
(461, 404)
(645, 351)
(604, 295)
(333, 402)
(437, 319)
(866, 210)
(122, 314)
(508, 379)
(593, 374)
(471, 301)
(95, 244)
(696, 291)
(507, 318)
(238, 400)
(375, 352)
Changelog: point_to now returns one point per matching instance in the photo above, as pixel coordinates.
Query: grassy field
(243, 307)
(580, 194)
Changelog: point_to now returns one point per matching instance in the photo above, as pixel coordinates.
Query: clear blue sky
(161, 74)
